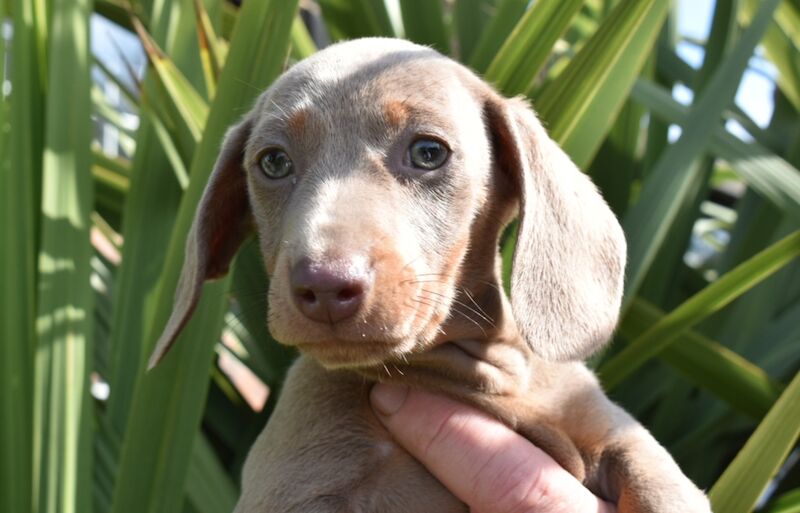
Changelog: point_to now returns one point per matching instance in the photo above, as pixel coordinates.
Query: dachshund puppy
(378, 176)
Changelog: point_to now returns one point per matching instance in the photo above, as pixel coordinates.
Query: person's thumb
(482, 462)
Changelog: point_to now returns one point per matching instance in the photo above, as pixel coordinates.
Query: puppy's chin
(348, 344)
(337, 354)
(358, 342)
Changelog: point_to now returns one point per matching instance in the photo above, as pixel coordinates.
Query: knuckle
(441, 436)
(521, 489)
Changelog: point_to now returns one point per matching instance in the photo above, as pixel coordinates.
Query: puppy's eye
(276, 164)
(428, 154)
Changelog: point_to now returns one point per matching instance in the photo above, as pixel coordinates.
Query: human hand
(486, 465)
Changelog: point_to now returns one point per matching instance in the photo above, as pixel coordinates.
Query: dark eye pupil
(276, 164)
(428, 154)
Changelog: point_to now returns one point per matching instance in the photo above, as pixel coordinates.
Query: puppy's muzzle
(330, 291)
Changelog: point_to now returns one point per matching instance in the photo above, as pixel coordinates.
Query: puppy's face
(364, 172)
(379, 175)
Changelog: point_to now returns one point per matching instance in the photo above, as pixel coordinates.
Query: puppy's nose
(329, 291)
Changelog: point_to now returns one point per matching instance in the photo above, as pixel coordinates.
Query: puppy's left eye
(276, 164)
(428, 154)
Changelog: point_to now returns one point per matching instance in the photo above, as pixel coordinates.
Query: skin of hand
(485, 464)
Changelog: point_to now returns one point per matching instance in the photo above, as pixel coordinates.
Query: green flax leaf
(709, 300)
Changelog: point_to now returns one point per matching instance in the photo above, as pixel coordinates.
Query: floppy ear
(221, 223)
(569, 261)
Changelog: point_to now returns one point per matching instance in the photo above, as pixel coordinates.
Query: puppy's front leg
(644, 477)
(625, 464)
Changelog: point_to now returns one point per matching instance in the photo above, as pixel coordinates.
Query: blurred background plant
(685, 114)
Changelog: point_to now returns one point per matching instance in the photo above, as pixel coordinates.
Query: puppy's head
(379, 175)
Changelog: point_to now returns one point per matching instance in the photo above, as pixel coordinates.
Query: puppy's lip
(348, 353)
(334, 345)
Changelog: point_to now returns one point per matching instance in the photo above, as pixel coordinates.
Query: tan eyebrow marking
(297, 122)
(395, 112)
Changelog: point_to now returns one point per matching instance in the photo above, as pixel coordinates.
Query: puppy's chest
(324, 450)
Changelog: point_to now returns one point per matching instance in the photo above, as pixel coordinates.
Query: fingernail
(387, 398)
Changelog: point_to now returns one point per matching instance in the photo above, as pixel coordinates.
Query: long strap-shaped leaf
(212, 50)
(506, 16)
(424, 23)
(709, 300)
(150, 210)
(191, 106)
(789, 502)
(580, 105)
(62, 411)
(648, 221)
(740, 486)
(782, 44)
(470, 18)
(349, 19)
(21, 150)
(708, 364)
(766, 173)
(168, 401)
(529, 45)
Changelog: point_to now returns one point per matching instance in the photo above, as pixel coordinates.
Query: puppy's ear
(569, 261)
(221, 223)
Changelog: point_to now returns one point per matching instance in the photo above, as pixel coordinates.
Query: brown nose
(329, 291)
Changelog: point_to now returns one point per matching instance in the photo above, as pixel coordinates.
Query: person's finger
(482, 462)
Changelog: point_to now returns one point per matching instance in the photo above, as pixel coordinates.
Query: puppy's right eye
(428, 154)
(276, 164)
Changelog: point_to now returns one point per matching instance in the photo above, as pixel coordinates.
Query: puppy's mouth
(386, 331)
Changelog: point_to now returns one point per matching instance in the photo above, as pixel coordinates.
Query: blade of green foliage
(302, 43)
(616, 166)
(698, 307)
(469, 19)
(784, 329)
(648, 221)
(21, 147)
(118, 168)
(103, 108)
(349, 19)
(424, 23)
(150, 210)
(668, 269)
(657, 136)
(212, 51)
(168, 145)
(168, 401)
(723, 36)
(127, 92)
(106, 456)
(580, 105)
(208, 485)
(740, 486)
(191, 106)
(507, 14)
(526, 49)
(739, 324)
(782, 44)
(708, 364)
(119, 11)
(767, 173)
(789, 502)
(110, 189)
(62, 405)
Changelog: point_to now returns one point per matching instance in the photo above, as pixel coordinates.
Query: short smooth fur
(432, 312)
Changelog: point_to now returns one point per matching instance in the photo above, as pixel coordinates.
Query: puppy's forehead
(349, 60)
(383, 73)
